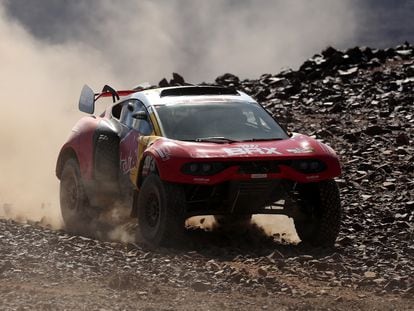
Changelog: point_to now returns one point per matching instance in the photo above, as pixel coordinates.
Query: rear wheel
(319, 220)
(161, 210)
(74, 203)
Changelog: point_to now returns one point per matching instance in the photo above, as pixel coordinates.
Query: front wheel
(161, 210)
(73, 200)
(319, 219)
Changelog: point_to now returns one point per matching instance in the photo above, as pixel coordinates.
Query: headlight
(193, 167)
(308, 166)
(198, 169)
(206, 167)
(314, 165)
(303, 166)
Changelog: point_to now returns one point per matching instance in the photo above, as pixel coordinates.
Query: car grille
(254, 187)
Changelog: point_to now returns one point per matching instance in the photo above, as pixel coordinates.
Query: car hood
(297, 146)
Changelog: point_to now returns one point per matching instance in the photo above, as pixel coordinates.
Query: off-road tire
(74, 202)
(168, 200)
(319, 221)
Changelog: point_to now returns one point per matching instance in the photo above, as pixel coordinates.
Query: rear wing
(88, 97)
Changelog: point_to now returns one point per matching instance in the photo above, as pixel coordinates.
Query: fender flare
(65, 154)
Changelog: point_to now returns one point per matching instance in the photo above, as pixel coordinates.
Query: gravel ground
(42, 269)
(361, 101)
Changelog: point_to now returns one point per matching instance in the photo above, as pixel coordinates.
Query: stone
(199, 286)
(402, 139)
(370, 274)
(262, 272)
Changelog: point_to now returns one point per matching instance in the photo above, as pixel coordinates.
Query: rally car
(175, 152)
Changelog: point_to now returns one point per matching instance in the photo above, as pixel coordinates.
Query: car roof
(188, 94)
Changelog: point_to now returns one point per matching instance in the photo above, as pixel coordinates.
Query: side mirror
(140, 115)
(87, 100)
(131, 107)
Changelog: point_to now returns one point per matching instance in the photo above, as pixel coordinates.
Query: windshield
(218, 122)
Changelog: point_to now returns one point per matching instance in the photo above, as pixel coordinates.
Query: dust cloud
(146, 40)
(39, 89)
(43, 71)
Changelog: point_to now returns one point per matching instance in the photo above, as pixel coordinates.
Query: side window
(143, 126)
(126, 112)
(116, 111)
(130, 117)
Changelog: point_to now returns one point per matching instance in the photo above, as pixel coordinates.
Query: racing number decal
(250, 149)
(149, 166)
(143, 143)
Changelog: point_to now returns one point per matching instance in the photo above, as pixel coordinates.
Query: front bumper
(263, 196)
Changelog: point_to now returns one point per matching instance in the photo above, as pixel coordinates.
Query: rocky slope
(360, 101)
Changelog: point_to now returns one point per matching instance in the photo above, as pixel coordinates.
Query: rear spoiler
(88, 97)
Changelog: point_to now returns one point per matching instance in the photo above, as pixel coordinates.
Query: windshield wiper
(263, 139)
(214, 139)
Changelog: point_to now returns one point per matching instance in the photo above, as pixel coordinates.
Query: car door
(134, 125)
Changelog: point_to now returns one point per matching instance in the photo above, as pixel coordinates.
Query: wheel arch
(65, 154)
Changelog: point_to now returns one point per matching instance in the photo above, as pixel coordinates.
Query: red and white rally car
(175, 152)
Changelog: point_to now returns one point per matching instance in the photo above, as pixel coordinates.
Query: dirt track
(41, 269)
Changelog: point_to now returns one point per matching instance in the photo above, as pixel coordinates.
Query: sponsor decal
(254, 176)
(250, 149)
(301, 150)
(164, 153)
(128, 162)
(128, 152)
